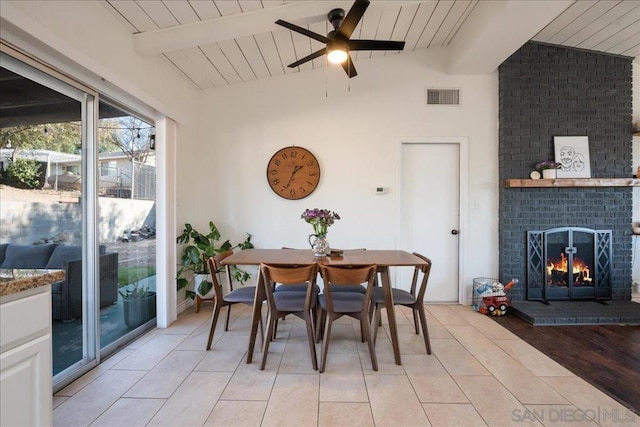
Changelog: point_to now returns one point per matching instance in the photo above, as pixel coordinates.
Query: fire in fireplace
(558, 272)
(569, 263)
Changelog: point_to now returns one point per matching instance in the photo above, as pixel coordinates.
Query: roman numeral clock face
(293, 173)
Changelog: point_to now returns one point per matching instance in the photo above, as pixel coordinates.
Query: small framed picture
(572, 152)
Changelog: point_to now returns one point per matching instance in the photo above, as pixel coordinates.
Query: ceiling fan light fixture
(338, 41)
(337, 55)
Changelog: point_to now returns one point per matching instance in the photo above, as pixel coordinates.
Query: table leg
(256, 316)
(391, 315)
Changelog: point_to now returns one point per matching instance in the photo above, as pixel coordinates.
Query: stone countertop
(16, 280)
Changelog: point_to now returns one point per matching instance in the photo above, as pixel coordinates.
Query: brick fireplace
(547, 91)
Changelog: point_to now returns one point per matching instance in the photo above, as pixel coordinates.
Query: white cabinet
(25, 359)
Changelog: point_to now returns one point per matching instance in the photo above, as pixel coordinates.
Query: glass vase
(319, 244)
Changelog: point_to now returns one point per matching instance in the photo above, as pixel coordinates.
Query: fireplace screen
(568, 263)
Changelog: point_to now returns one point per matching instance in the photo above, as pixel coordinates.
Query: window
(108, 168)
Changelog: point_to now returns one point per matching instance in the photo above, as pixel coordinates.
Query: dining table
(383, 259)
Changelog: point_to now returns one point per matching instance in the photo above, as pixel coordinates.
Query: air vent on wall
(442, 96)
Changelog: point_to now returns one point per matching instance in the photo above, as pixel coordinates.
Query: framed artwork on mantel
(572, 152)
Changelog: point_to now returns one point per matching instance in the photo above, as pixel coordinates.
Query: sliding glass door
(77, 190)
(42, 210)
(127, 223)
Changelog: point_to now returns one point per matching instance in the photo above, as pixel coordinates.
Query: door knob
(454, 231)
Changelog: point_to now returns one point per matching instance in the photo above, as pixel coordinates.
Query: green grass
(128, 275)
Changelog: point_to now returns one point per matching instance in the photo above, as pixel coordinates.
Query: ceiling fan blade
(353, 17)
(349, 68)
(301, 30)
(375, 45)
(314, 55)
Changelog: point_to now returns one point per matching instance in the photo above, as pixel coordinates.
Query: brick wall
(548, 91)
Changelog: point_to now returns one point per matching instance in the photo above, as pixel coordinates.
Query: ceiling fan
(338, 42)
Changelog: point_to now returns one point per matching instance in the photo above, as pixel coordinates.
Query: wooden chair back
(218, 293)
(285, 276)
(425, 270)
(347, 276)
(215, 266)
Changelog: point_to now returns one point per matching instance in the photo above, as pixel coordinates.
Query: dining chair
(354, 287)
(299, 287)
(316, 288)
(244, 295)
(335, 304)
(350, 288)
(298, 303)
(414, 299)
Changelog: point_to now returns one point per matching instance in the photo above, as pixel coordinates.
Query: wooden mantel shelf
(572, 182)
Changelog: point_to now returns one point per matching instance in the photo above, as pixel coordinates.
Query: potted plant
(193, 263)
(139, 305)
(548, 168)
(321, 220)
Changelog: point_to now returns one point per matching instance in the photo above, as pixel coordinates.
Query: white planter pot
(549, 174)
(197, 280)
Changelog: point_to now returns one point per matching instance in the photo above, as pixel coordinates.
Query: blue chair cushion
(245, 295)
(291, 301)
(400, 296)
(27, 256)
(344, 302)
(348, 288)
(64, 253)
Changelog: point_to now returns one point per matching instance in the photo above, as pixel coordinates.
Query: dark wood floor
(606, 356)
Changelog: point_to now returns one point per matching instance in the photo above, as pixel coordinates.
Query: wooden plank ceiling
(242, 44)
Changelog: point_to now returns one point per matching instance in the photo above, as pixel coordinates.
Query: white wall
(355, 129)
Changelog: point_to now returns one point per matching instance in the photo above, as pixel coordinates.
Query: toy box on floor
(489, 296)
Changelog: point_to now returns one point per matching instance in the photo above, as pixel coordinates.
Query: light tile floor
(479, 374)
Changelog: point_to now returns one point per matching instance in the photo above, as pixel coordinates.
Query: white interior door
(431, 213)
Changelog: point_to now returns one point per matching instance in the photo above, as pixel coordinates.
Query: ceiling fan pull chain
(326, 80)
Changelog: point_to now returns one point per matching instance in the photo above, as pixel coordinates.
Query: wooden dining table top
(382, 258)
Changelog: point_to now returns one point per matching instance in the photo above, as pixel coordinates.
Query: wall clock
(293, 173)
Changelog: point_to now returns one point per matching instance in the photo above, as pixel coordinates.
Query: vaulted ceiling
(214, 43)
